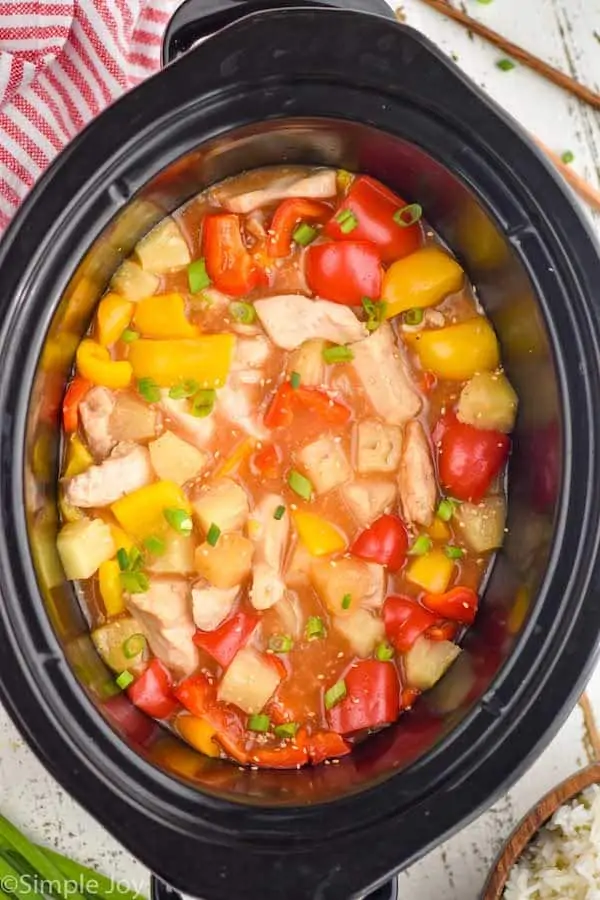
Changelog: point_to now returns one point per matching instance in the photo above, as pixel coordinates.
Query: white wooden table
(567, 34)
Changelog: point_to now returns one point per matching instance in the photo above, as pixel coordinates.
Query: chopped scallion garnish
(408, 215)
(259, 723)
(184, 389)
(413, 316)
(134, 645)
(213, 534)
(279, 513)
(287, 730)
(384, 652)
(421, 546)
(124, 679)
(179, 520)
(505, 65)
(280, 643)
(335, 694)
(295, 379)
(243, 312)
(154, 545)
(338, 354)
(445, 510)
(375, 310)
(203, 403)
(304, 234)
(135, 582)
(315, 628)
(346, 601)
(198, 278)
(123, 559)
(347, 221)
(300, 485)
(149, 390)
(453, 552)
(129, 336)
(567, 157)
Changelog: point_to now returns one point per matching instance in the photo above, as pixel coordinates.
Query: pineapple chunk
(132, 282)
(362, 630)
(109, 641)
(308, 362)
(226, 564)
(132, 420)
(378, 447)
(249, 682)
(178, 558)
(83, 546)
(163, 249)
(426, 662)
(299, 566)
(173, 459)
(482, 524)
(223, 503)
(367, 500)
(488, 401)
(325, 464)
(346, 584)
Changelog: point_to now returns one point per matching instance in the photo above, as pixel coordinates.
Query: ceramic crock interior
(533, 485)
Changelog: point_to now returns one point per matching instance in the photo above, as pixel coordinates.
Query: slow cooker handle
(196, 20)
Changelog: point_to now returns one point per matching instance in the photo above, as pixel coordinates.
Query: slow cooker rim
(22, 220)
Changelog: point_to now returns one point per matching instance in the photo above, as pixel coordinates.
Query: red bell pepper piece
(344, 272)
(73, 397)
(326, 745)
(459, 604)
(230, 732)
(442, 631)
(287, 216)
(197, 694)
(267, 462)
(427, 382)
(405, 621)
(372, 697)
(225, 641)
(289, 756)
(384, 542)
(137, 727)
(152, 691)
(321, 404)
(469, 458)
(280, 413)
(374, 206)
(228, 263)
(408, 696)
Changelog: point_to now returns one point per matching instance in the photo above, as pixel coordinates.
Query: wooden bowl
(530, 825)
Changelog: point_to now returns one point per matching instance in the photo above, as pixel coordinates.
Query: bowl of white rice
(554, 853)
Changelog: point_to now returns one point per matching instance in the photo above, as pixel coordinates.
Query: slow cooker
(335, 87)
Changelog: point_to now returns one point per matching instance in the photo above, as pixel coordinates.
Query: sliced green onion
(567, 157)
(295, 380)
(304, 234)
(184, 389)
(259, 723)
(280, 643)
(287, 730)
(408, 215)
(445, 510)
(421, 546)
(484, 2)
(453, 552)
(279, 513)
(204, 403)
(335, 694)
(375, 310)
(300, 485)
(123, 559)
(505, 65)
(179, 520)
(135, 582)
(346, 220)
(338, 354)
(124, 679)
(155, 545)
(135, 559)
(213, 534)
(149, 390)
(315, 628)
(346, 601)
(134, 645)
(413, 316)
(243, 312)
(384, 652)
(129, 336)
(198, 278)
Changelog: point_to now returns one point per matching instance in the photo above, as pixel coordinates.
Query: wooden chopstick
(513, 50)
(579, 185)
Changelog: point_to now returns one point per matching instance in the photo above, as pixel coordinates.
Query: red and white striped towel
(61, 63)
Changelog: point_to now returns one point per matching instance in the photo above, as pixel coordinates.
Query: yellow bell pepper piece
(237, 457)
(113, 316)
(171, 754)
(109, 580)
(432, 572)
(141, 513)
(95, 364)
(122, 541)
(78, 458)
(199, 733)
(206, 359)
(59, 351)
(421, 279)
(163, 316)
(318, 535)
(438, 530)
(458, 351)
(519, 610)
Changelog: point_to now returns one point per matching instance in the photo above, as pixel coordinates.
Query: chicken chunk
(367, 500)
(381, 369)
(235, 403)
(164, 614)
(378, 447)
(223, 503)
(250, 352)
(291, 319)
(211, 605)
(270, 536)
(416, 477)
(250, 681)
(174, 459)
(133, 420)
(298, 568)
(319, 186)
(325, 464)
(95, 412)
(195, 430)
(127, 469)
